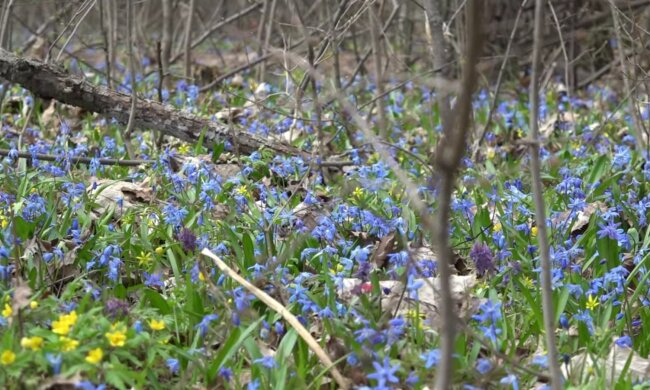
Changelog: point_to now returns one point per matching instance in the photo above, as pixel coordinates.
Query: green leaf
(598, 169)
(249, 250)
(157, 301)
(282, 355)
(560, 304)
(230, 347)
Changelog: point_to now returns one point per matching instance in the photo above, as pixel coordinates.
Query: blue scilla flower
(34, 207)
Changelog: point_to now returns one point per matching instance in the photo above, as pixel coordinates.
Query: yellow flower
(116, 338)
(241, 190)
(144, 258)
(184, 149)
(357, 193)
(160, 250)
(592, 302)
(338, 268)
(533, 231)
(8, 311)
(68, 344)
(64, 323)
(4, 222)
(95, 356)
(528, 282)
(157, 325)
(34, 343)
(491, 153)
(497, 227)
(201, 276)
(7, 357)
(33, 304)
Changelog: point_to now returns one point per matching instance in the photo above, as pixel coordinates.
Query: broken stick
(51, 82)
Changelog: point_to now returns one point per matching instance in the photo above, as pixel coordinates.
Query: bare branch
(449, 152)
(540, 213)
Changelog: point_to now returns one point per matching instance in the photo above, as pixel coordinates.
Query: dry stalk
(497, 88)
(449, 152)
(134, 96)
(342, 382)
(540, 213)
(166, 36)
(373, 25)
(188, 39)
(626, 73)
(89, 8)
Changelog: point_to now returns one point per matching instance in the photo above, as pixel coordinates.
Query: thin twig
(104, 33)
(166, 36)
(626, 73)
(188, 39)
(540, 213)
(497, 88)
(134, 95)
(5, 21)
(76, 160)
(214, 28)
(342, 382)
(449, 152)
(74, 30)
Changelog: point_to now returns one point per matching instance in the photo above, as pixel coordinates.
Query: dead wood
(51, 82)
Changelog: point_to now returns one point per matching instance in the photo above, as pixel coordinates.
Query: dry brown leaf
(581, 218)
(461, 287)
(384, 247)
(108, 193)
(22, 295)
(584, 365)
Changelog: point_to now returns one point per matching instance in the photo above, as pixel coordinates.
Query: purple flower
(188, 239)
(482, 257)
(116, 308)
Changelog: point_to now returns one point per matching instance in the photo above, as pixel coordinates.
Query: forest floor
(103, 282)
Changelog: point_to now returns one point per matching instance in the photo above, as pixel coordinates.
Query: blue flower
(88, 385)
(153, 280)
(174, 365)
(55, 361)
(34, 208)
(173, 215)
(610, 230)
(510, 380)
(384, 373)
(624, 342)
(266, 361)
(225, 373)
(253, 385)
(490, 312)
(205, 322)
(540, 361)
(483, 365)
(431, 358)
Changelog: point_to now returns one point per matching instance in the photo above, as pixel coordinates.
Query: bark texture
(51, 82)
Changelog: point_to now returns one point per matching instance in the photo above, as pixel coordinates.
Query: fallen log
(51, 82)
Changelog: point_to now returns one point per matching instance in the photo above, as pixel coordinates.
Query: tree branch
(49, 81)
